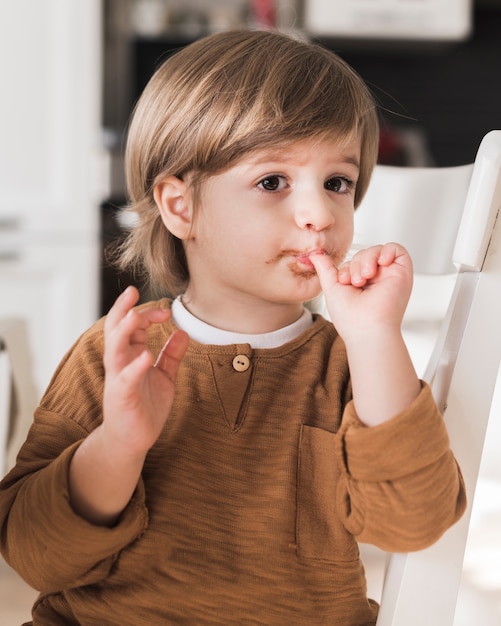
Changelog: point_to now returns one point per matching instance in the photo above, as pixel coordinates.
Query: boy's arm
(400, 486)
(58, 532)
(138, 396)
(366, 299)
(41, 536)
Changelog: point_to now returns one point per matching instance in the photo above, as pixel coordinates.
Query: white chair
(446, 217)
(5, 403)
(18, 393)
(420, 208)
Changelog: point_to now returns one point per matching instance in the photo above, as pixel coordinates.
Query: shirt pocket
(320, 534)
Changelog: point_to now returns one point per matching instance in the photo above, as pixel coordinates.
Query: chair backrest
(420, 208)
(422, 587)
(18, 393)
(5, 399)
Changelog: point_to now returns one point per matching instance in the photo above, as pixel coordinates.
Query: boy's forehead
(346, 149)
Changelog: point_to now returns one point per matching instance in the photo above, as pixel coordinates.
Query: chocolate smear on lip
(307, 273)
(304, 271)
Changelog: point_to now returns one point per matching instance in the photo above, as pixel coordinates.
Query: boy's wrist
(115, 452)
(378, 335)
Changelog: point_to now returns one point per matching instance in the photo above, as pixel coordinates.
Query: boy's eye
(272, 183)
(338, 184)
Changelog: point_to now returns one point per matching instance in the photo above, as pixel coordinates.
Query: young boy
(214, 457)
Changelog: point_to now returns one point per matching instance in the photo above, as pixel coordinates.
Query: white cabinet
(51, 171)
(50, 72)
(439, 20)
(53, 289)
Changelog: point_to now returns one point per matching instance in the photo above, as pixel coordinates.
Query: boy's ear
(174, 203)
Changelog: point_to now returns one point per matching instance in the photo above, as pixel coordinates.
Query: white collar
(205, 333)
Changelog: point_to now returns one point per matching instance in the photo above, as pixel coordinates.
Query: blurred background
(70, 73)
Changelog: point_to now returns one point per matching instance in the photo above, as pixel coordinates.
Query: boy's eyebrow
(284, 157)
(351, 160)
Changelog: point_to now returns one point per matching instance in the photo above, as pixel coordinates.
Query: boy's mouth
(304, 257)
(299, 262)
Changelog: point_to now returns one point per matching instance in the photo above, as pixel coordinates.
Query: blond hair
(216, 101)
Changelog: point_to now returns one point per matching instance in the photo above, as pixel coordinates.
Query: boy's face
(260, 219)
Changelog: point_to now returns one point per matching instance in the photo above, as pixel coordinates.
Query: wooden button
(241, 363)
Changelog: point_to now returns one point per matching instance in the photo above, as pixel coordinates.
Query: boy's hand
(366, 299)
(371, 289)
(138, 393)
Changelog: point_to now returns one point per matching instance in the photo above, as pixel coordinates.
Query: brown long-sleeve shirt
(250, 504)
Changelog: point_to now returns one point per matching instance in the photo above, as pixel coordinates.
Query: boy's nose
(314, 215)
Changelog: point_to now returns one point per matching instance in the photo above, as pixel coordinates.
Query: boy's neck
(256, 317)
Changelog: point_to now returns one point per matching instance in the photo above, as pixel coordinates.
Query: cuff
(75, 535)
(413, 439)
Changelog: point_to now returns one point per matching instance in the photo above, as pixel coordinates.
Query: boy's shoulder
(92, 340)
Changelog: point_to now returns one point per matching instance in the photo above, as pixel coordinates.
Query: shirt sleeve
(41, 536)
(401, 487)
